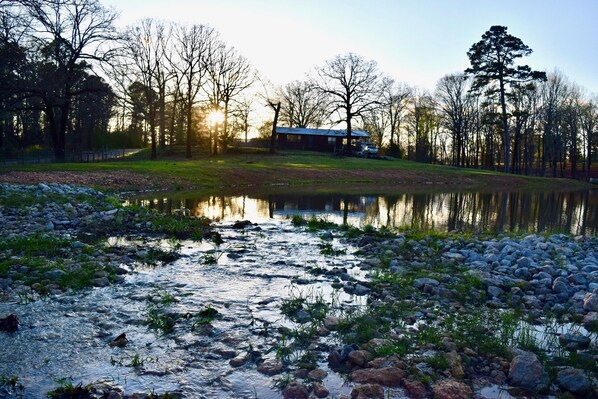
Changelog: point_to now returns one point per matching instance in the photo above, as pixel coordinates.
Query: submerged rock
(119, 341)
(10, 323)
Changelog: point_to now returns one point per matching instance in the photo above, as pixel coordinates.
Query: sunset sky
(416, 42)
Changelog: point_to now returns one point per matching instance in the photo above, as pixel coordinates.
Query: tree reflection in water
(573, 212)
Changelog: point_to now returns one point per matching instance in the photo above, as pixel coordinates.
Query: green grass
(213, 173)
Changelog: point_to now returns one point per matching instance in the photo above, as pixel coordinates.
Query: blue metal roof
(321, 132)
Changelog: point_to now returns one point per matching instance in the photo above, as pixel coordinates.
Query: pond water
(574, 212)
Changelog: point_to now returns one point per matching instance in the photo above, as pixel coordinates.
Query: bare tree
(229, 74)
(192, 48)
(589, 125)
(395, 99)
(71, 35)
(352, 86)
(145, 48)
(241, 112)
(554, 92)
(302, 105)
(456, 106)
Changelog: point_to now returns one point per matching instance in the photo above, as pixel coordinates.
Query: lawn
(260, 169)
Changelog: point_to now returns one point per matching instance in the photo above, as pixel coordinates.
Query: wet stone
(270, 367)
(295, 390)
(240, 359)
(317, 374)
(320, 390)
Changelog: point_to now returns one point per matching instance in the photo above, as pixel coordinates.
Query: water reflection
(573, 212)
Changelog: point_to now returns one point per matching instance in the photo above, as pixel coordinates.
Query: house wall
(307, 142)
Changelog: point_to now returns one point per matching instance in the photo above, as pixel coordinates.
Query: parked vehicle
(367, 149)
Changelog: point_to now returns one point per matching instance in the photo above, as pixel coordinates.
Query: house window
(292, 138)
(331, 140)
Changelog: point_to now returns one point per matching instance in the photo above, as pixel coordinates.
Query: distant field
(260, 170)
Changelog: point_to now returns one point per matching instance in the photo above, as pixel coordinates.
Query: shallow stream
(67, 337)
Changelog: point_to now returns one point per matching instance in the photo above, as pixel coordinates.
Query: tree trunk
(274, 124)
(162, 115)
(189, 130)
(505, 124)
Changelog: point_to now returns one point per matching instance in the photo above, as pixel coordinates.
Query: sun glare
(215, 117)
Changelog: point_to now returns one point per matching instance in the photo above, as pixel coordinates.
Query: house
(328, 140)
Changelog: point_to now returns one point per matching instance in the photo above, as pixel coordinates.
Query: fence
(21, 156)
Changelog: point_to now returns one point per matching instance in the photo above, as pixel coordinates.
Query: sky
(415, 42)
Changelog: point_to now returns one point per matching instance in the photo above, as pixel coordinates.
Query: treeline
(71, 81)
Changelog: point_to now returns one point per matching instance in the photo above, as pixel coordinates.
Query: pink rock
(451, 389)
(387, 376)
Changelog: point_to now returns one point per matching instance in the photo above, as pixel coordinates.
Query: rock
(415, 389)
(317, 374)
(494, 291)
(10, 323)
(359, 358)
(590, 321)
(242, 224)
(387, 376)
(331, 322)
(527, 372)
(100, 282)
(361, 290)
(338, 356)
(320, 390)
(451, 389)
(454, 361)
(454, 256)
(120, 341)
(524, 262)
(295, 390)
(574, 341)
(240, 359)
(270, 367)
(560, 285)
(573, 380)
(55, 274)
(368, 391)
(590, 302)
(420, 283)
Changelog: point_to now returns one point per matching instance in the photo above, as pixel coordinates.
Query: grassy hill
(316, 171)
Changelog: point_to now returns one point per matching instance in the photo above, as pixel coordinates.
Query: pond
(574, 212)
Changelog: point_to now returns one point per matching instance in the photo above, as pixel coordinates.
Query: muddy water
(68, 336)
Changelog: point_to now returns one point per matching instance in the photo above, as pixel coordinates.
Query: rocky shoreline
(447, 315)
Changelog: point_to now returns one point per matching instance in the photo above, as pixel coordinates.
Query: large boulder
(527, 372)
